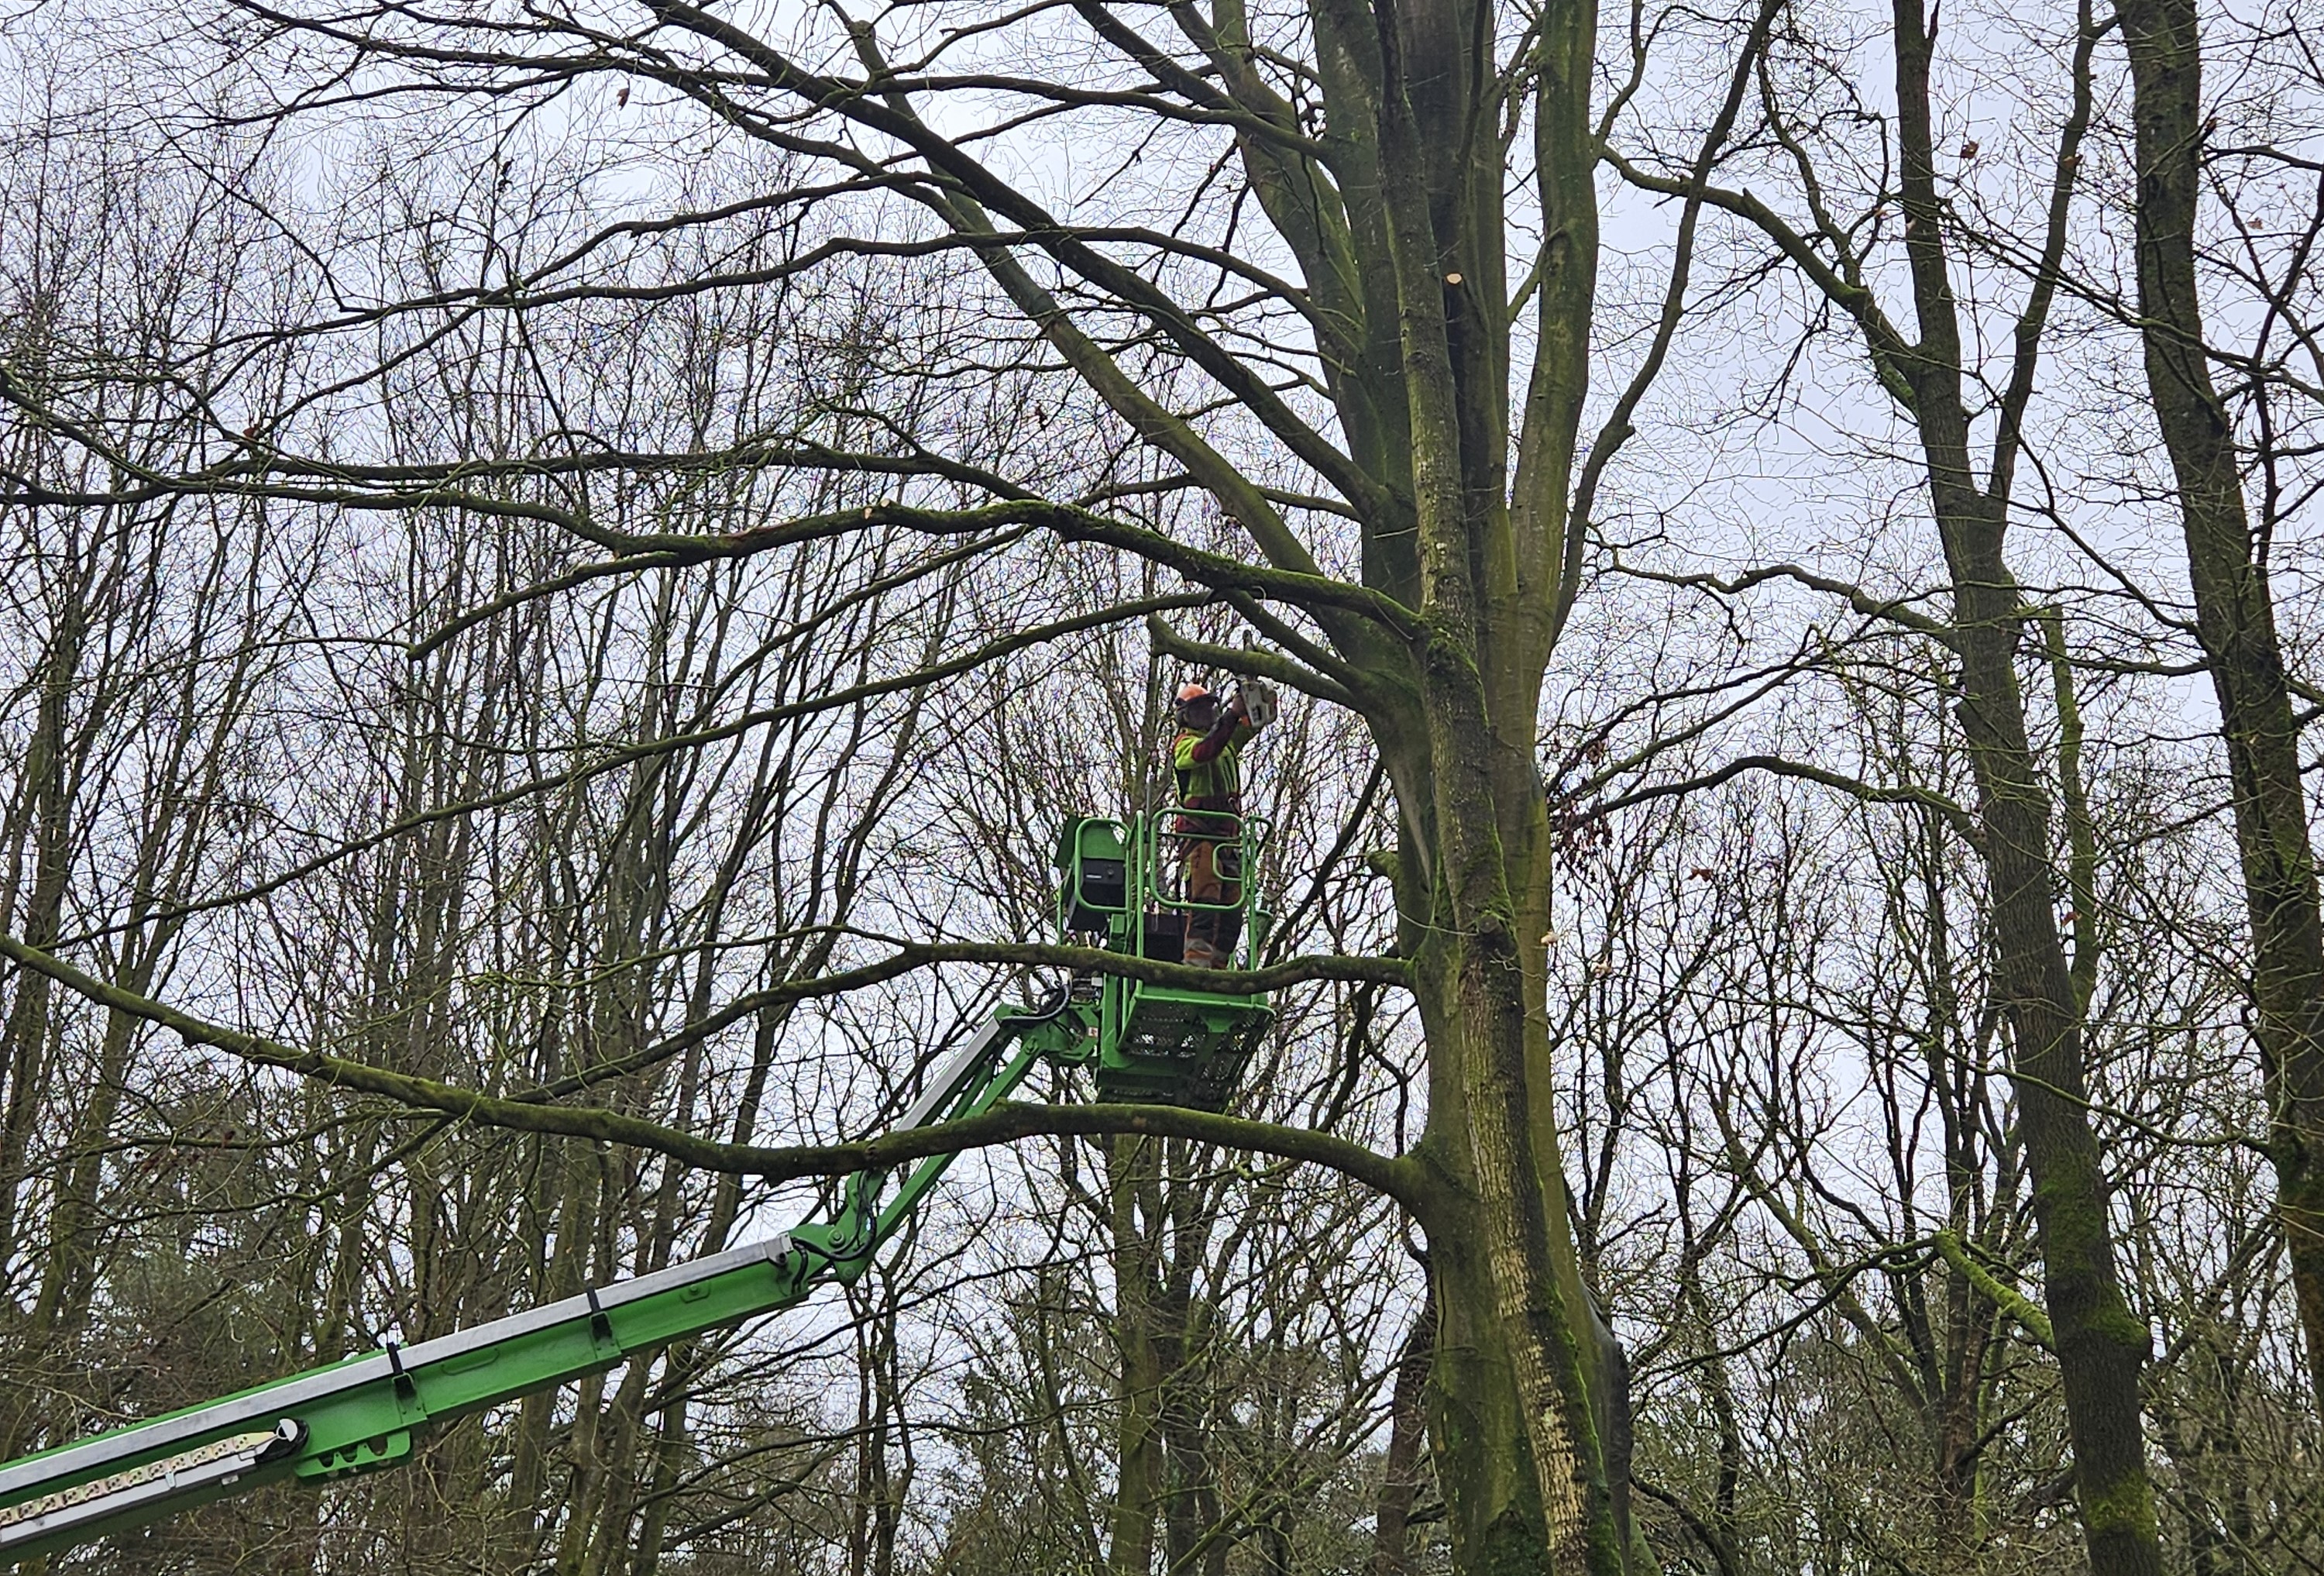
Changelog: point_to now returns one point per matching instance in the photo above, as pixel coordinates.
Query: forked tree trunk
(1456, 712)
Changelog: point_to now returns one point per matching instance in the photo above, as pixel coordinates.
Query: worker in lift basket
(1208, 758)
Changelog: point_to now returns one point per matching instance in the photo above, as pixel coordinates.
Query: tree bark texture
(1516, 1437)
(2235, 618)
(1403, 244)
(2101, 1346)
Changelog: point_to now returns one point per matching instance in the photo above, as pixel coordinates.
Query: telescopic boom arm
(1182, 1044)
(364, 1414)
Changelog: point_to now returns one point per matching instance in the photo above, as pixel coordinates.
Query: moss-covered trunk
(1519, 1442)
(2235, 617)
(1518, 1424)
(2101, 1346)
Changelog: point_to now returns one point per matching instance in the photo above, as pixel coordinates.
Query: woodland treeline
(564, 565)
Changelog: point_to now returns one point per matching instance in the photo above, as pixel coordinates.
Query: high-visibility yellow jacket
(1210, 779)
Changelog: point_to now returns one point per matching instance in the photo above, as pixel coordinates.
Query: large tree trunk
(2234, 616)
(1517, 1432)
(1518, 1421)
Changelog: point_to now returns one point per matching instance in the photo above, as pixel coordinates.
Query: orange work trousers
(1210, 934)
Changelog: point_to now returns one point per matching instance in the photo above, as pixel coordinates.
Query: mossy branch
(1397, 1178)
(2007, 1298)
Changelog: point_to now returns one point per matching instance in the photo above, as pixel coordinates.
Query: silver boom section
(261, 1408)
(221, 1462)
(960, 1072)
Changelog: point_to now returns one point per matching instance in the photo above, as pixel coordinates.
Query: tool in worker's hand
(1256, 697)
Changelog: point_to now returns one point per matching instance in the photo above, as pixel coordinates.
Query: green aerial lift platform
(1146, 1043)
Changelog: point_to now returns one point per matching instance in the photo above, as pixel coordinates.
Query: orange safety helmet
(1190, 690)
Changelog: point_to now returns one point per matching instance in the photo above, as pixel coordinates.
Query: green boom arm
(363, 1413)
